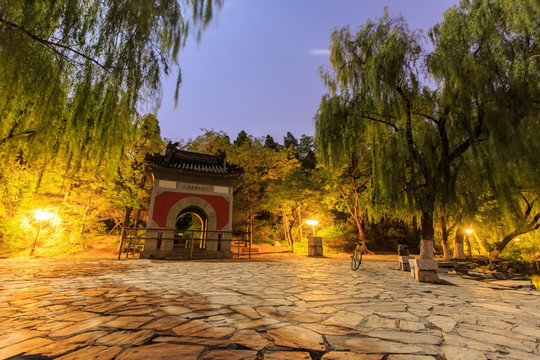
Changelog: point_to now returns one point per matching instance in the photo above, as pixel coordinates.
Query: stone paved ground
(288, 308)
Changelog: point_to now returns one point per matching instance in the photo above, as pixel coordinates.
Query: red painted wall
(165, 201)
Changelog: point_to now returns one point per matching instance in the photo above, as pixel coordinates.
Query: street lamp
(517, 239)
(468, 231)
(41, 216)
(313, 223)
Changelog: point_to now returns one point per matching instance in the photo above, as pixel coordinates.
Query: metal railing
(133, 239)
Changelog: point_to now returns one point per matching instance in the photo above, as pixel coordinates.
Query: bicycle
(356, 257)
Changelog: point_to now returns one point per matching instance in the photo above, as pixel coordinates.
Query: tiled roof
(189, 163)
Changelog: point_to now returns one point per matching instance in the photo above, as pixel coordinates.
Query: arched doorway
(191, 225)
(192, 198)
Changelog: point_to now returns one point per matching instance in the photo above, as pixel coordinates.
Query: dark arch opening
(191, 226)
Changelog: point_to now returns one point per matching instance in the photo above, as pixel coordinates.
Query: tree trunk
(444, 240)
(127, 215)
(362, 238)
(288, 233)
(285, 232)
(125, 224)
(251, 217)
(427, 234)
(469, 248)
(86, 211)
(356, 214)
(499, 248)
(137, 217)
(300, 224)
(458, 243)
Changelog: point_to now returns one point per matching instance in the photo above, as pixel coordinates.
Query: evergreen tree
(270, 143)
(242, 139)
(289, 141)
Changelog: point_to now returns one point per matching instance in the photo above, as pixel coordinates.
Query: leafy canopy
(74, 73)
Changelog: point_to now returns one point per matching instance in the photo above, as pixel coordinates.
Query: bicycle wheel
(356, 259)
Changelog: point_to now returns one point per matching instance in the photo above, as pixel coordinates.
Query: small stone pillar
(424, 270)
(403, 250)
(403, 257)
(404, 263)
(315, 246)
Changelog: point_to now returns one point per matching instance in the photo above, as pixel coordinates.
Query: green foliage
(478, 118)
(270, 143)
(209, 142)
(77, 203)
(486, 62)
(129, 188)
(336, 236)
(74, 73)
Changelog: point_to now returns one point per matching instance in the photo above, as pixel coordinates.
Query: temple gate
(191, 206)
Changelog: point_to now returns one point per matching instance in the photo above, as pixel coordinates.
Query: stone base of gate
(185, 254)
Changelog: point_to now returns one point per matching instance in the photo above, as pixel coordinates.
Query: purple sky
(257, 65)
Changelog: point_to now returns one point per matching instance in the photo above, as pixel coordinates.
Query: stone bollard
(424, 270)
(403, 257)
(403, 250)
(404, 263)
(315, 246)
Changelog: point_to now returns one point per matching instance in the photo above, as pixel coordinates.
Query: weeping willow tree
(74, 73)
(376, 97)
(485, 67)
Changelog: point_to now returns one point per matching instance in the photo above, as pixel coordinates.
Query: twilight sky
(257, 65)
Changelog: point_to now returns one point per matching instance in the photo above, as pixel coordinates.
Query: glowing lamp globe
(43, 215)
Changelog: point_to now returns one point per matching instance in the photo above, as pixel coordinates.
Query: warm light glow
(468, 231)
(312, 222)
(517, 239)
(43, 215)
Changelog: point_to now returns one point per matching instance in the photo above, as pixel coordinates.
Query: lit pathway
(288, 308)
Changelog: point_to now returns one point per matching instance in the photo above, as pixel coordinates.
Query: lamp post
(313, 223)
(41, 216)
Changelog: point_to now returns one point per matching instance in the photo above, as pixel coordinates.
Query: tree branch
(53, 45)
(430, 118)
(458, 151)
(380, 121)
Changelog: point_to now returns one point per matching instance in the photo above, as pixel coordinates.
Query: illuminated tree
(74, 73)
(485, 69)
(348, 189)
(486, 62)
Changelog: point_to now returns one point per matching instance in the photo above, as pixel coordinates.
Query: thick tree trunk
(427, 235)
(458, 243)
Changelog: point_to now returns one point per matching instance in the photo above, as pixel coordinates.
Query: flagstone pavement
(276, 309)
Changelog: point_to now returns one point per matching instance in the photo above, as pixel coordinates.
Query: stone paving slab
(279, 308)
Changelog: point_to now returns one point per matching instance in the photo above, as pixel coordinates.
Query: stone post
(315, 247)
